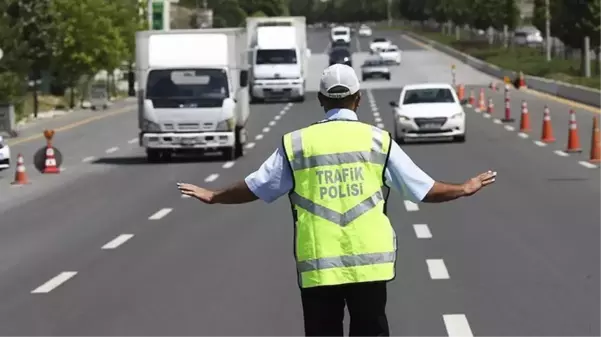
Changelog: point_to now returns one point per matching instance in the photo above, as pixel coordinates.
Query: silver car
(375, 69)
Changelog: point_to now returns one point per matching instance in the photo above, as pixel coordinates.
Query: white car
(374, 68)
(378, 44)
(428, 111)
(341, 34)
(4, 155)
(364, 31)
(392, 54)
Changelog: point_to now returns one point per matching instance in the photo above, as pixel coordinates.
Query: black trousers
(323, 309)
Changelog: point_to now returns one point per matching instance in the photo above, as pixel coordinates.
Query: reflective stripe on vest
(350, 264)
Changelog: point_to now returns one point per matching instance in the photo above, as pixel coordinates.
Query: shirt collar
(341, 114)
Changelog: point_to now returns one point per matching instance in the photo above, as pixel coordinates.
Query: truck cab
(191, 100)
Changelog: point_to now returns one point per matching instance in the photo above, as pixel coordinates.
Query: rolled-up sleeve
(403, 175)
(273, 179)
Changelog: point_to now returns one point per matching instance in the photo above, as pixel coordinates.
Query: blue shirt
(274, 178)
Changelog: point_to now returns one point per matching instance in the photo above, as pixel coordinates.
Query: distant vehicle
(99, 97)
(4, 155)
(527, 36)
(365, 31)
(392, 54)
(428, 111)
(378, 44)
(375, 68)
(341, 55)
(341, 34)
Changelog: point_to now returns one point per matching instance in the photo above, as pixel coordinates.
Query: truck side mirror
(393, 104)
(243, 78)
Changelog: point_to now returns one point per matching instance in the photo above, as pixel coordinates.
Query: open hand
(199, 193)
(475, 184)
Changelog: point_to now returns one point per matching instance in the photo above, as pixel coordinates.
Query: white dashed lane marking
(112, 149)
(378, 119)
(523, 135)
(561, 153)
(250, 145)
(277, 117)
(228, 164)
(259, 137)
(380, 125)
(212, 177)
(497, 121)
(265, 129)
(587, 164)
(88, 159)
(376, 114)
(539, 143)
(54, 282)
(160, 214)
(272, 123)
(118, 241)
(509, 128)
(411, 206)
(437, 269)
(422, 231)
(132, 141)
(457, 325)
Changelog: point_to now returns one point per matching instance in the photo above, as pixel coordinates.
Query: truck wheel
(153, 156)
(238, 146)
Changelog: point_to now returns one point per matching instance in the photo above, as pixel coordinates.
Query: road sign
(157, 15)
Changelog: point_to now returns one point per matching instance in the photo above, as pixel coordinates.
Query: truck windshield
(340, 32)
(205, 87)
(276, 56)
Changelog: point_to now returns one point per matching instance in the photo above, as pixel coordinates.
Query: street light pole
(548, 30)
(149, 14)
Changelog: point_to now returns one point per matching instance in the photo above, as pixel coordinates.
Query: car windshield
(433, 95)
(276, 56)
(340, 32)
(391, 50)
(195, 87)
(373, 63)
(380, 40)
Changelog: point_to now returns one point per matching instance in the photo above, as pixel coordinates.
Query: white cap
(338, 81)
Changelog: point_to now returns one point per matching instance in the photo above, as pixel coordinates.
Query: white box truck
(192, 91)
(278, 56)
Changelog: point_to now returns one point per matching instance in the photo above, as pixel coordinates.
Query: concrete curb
(572, 92)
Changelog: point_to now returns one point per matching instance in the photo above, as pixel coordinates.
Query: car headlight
(404, 118)
(151, 126)
(457, 115)
(226, 125)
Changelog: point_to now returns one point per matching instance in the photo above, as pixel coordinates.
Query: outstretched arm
(237, 193)
(441, 192)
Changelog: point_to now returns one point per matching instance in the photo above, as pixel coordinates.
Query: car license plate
(431, 126)
(188, 141)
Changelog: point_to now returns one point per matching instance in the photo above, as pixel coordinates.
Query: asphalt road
(521, 258)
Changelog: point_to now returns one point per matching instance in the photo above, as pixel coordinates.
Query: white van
(341, 34)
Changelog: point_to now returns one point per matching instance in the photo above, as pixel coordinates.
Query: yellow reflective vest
(342, 234)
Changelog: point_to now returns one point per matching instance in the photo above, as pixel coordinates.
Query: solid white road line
(118, 241)
(265, 130)
(160, 214)
(88, 159)
(523, 135)
(380, 125)
(561, 153)
(422, 231)
(437, 269)
(509, 128)
(112, 149)
(228, 164)
(272, 123)
(259, 136)
(212, 177)
(411, 206)
(587, 164)
(457, 325)
(132, 141)
(54, 282)
(250, 145)
(539, 143)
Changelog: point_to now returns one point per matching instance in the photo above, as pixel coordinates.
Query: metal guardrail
(572, 92)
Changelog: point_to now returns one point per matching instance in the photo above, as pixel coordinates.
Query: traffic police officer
(337, 173)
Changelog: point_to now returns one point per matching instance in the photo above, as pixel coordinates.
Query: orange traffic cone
(521, 80)
(547, 135)
(20, 173)
(493, 86)
(595, 142)
(491, 107)
(50, 164)
(482, 104)
(472, 99)
(573, 138)
(461, 92)
(525, 118)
